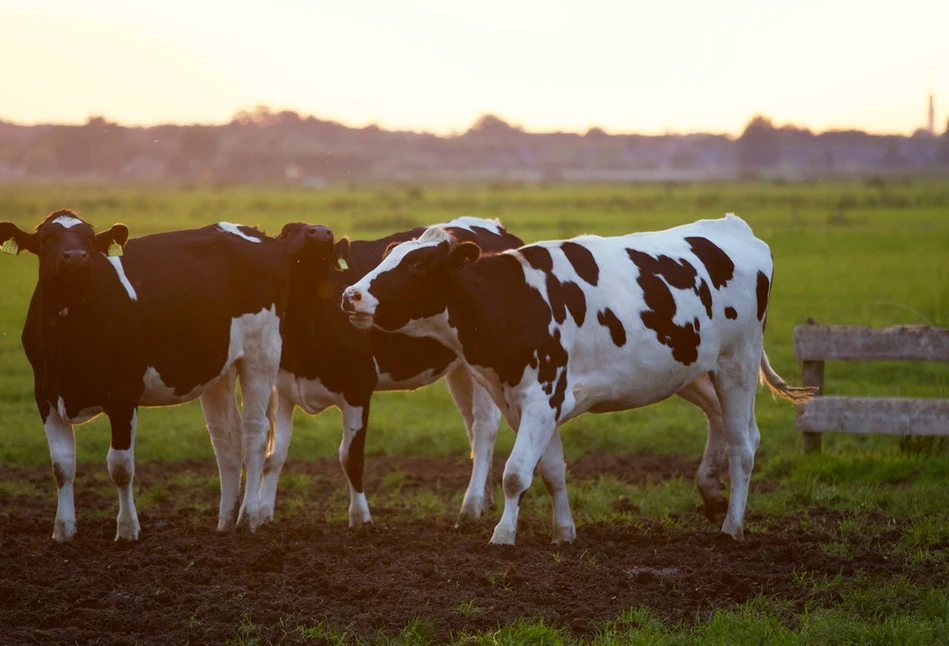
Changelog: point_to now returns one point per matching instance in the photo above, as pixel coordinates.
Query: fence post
(813, 375)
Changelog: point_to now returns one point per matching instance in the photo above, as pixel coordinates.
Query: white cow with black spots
(556, 329)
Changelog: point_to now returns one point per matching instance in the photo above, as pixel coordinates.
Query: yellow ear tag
(115, 249)
(341, 265)
(11, 247)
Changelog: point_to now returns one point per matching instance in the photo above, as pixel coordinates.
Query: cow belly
(157, 393)
(424, 378)
(309, 394)
(80, 417)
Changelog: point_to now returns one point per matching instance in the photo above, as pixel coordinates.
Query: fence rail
(815, 344)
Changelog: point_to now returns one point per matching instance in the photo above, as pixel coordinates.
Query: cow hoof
(127, 532)
(358, 519)
(471, 510)
(247, 520)
(503, 536)
(264, 515)
(715, 510)
(64, 531)
(737, 532)
(566, 534)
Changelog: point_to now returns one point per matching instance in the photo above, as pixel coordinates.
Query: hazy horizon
(434, 67)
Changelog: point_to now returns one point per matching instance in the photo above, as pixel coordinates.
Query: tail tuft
(781, 388)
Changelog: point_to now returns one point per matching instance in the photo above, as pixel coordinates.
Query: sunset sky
(437, 65)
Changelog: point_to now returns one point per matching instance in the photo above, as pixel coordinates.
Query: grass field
(858, 253)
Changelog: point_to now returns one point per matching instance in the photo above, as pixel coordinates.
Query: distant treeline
(266, 146)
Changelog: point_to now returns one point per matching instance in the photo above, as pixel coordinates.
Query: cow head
(312, 244)
(410, 283)
(64, 243)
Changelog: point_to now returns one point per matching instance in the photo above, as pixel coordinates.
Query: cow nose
(75, 257)
(350, 297)
(319, 233)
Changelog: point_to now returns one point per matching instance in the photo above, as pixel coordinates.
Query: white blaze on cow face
(67, 221)
(116, 263)
(234, 229)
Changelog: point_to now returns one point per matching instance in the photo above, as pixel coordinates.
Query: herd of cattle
(538, 334)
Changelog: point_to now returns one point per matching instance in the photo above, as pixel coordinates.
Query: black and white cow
(555, 329)
(327, 362)
(177, 316)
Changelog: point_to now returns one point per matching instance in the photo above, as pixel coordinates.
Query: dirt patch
(182, 582)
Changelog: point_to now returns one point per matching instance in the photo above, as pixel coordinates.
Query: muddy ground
(182, 582)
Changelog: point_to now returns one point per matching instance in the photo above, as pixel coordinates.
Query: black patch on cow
(583, 261)
(539, 258)
(684, 340)
(566, 296)
(720, 267)
(762, 289)
(563, 296)
(356, 458)
(705, 295)
(610, 321)
(731, 313)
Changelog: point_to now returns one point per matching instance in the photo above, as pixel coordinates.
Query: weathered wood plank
(857, 343)
(813, 375)
(885, 415)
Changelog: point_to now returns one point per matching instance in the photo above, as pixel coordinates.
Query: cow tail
(781, 388)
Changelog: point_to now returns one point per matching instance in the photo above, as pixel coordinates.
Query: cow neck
(313, 297)
(476, 302)
(71, 324)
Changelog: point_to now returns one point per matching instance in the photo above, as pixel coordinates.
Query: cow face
(63, 242)
(410, 282)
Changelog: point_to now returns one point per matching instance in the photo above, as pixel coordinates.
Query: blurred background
(312, 93)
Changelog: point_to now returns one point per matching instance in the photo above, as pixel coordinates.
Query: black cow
(326, 362)
(178, 316)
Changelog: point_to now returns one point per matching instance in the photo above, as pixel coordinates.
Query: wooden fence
(815, 344)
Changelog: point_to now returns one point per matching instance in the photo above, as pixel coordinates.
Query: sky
(437, 65)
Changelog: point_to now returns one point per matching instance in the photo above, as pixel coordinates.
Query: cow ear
(392, 245)
(111, 242)
(341, 251)
(14, 240)
(462, 254)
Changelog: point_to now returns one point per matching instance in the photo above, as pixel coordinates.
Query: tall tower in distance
(931, 122)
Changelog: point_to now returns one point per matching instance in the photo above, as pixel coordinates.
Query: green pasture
(869, 253)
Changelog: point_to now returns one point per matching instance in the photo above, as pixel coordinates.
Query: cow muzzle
(355, 306)
(74, 258)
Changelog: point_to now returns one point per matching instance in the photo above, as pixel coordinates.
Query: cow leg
(481, 418)
(276, 457)
(121, 463)
(352, 448)
(735, 382)
(257, 384)
(62, 452)
(553, 471)
(533, 435)
(702, 393)
(223, 419)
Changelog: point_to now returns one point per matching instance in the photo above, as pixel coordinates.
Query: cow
(326, 362)
(115, 324)
(556, 329)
